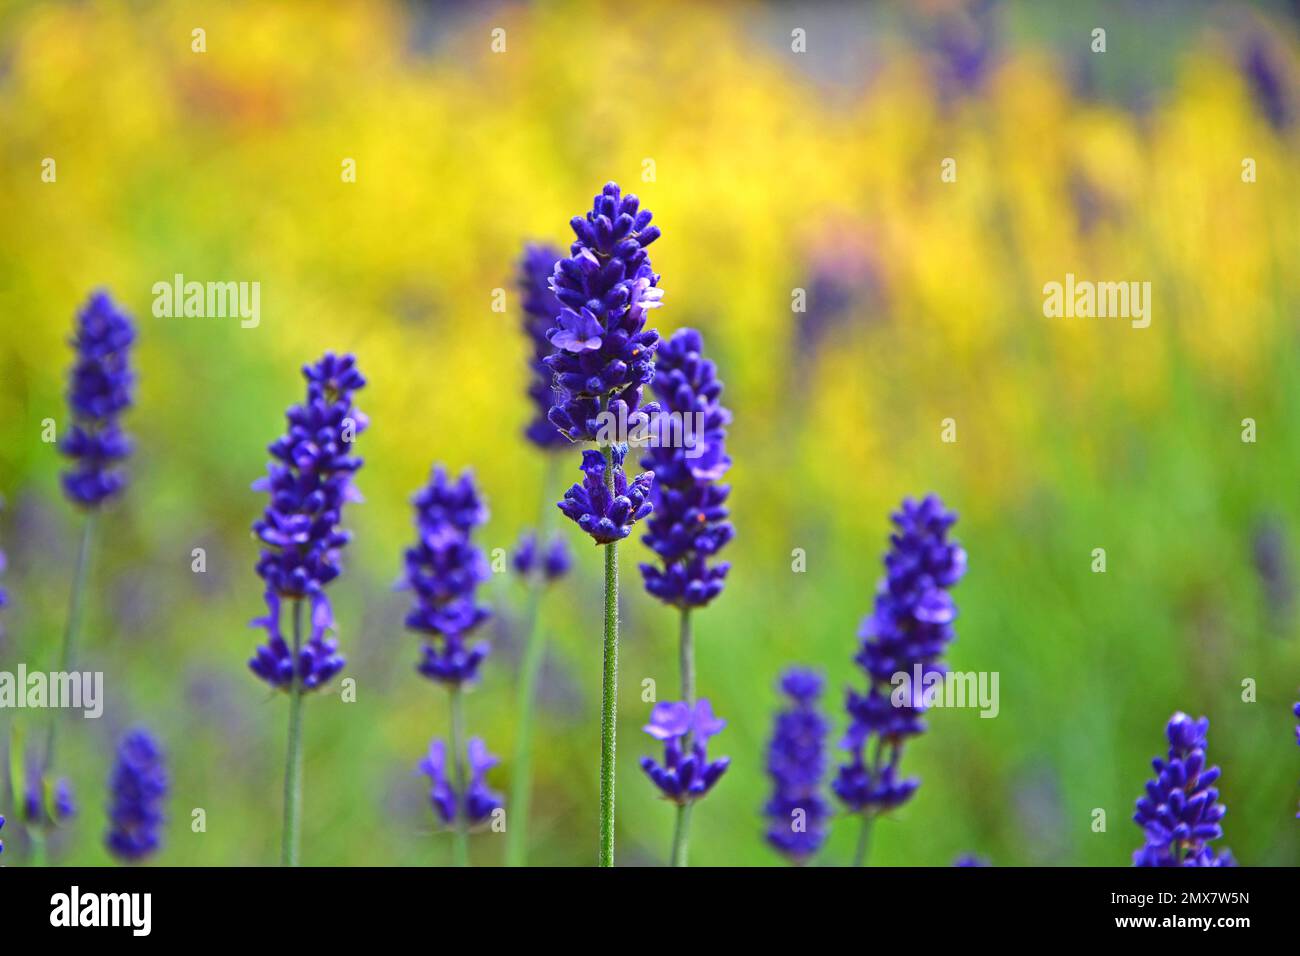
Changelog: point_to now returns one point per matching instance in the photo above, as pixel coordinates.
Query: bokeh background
(770, 171)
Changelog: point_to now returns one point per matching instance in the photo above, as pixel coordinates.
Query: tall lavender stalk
(309, 480)
(603, 358)
(443, 571)
(906, 634)
(1180, 813)
(99, 390)
(540, 309)
(688, 458)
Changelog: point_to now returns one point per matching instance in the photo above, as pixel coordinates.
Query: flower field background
(769, 171)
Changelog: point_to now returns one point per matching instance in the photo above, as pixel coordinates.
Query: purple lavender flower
(1180, 814)
(965, 43)
(796, 762)
(2, 826)
(479, 800)
(4, 596)
(35, 810)
(444, 570)
(604, 514)
(553, 562)
(906, 633)
(98, 392)
(541, 310)
(603, 354)
(690, 523)
(684, 777)
(138, 786)
(1266, 75)
(1273, 566)
(969, 860)
(309, 480)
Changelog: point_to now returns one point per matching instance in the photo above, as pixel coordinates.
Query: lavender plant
(443, 571)
(798, 811)
(309, 479)
(100, 386)
(690, 523)
(540, 310)
(137, 788)
(1180, 813)
(602, 360)
(907, 632)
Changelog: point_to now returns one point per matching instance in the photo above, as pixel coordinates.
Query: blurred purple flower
(541, 309)
(98, 392)
(1268, 78)
(137, 788)
(796, 761)
(478, 801)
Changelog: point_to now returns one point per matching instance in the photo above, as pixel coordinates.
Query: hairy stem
(291, 837)
(686, 656)
(609, 689)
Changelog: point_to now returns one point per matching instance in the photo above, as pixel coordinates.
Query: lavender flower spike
(2, 826)
(98, 393)
(684, 776)
(1180, 815)
(603, 353)
(604, 513)
(443, 571)
(796, 761)
(907, 632)
(541, 309)
(690, 523)
(309, 480)
(479, 801)
(553, 562)
(138, 786)
(4, 596)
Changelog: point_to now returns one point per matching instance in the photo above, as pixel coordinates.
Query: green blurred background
(770, 171)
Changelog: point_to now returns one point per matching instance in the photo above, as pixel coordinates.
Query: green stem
(460, 844)
(686, 655)
(521, 784)
(36, 841)
(609, 689)
(72, 627)
(864, 839)
(681, 833)
(291, 837)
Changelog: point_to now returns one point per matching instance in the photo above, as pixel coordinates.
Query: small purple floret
(684, 776)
